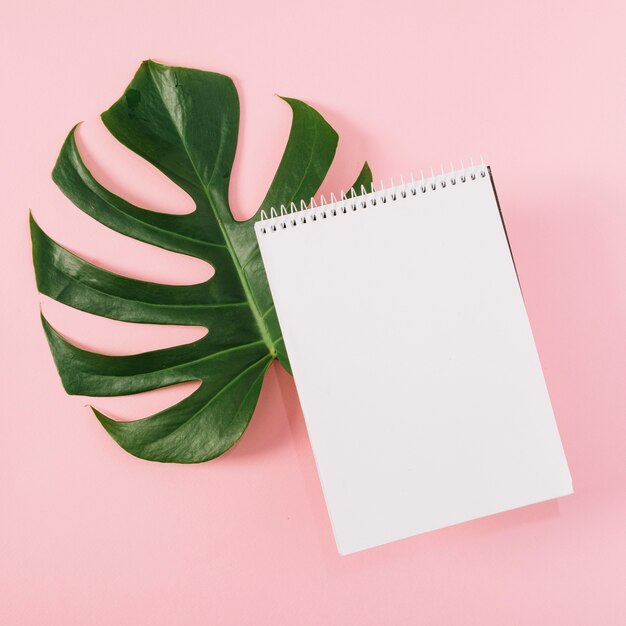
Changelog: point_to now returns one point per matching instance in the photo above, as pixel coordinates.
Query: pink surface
(91, 535)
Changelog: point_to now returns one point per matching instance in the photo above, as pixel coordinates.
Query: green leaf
(363, 183)
(185, 122)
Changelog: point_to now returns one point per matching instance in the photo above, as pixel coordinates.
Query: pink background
(91, 535)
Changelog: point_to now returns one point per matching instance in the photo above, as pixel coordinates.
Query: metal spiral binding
(353, 200)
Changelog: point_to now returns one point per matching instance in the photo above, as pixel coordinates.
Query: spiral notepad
(413, 357)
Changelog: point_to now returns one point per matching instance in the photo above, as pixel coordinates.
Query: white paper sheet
(414, 361)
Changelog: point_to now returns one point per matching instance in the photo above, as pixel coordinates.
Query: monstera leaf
(185, 122)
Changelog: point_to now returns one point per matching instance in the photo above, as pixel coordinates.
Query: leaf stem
(254, 307)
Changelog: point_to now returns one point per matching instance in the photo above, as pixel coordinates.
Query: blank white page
(414, 360)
